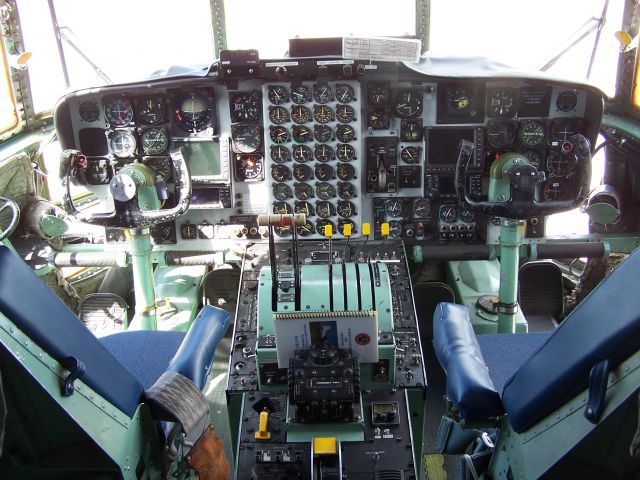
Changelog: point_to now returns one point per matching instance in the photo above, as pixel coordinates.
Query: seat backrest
(39, 313)
(606, 325)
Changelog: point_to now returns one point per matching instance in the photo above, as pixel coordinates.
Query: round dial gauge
(304, 207)
(300, 114)
(448, 213)
(278, 115)
(345, 93)
(302, 172)
(325, 209)
(306, 229)
(345, 152)
(193, 113)
(249, 166)
(322, 133)
(395, 229)
(300, 94)
(408, 104)
(89, 111)
(344, 221)
(322, 152)
(279, 134)
(301, 134)
(123, 144)
(346, 171)
(562, 164)
(346, 190)
(245, 107)
(322, 224)
(411, 131)
(501, 103)
(282, 231)
(460, 100)
(346, 208)
(282, 208)
(280, 154)
(410, 154)
(322, 93)
(150, 110)
(303, 191)
(567, 101)
(393, 207)
(378, 94)
(552, 189)
(378, 119)
(161, 167)
(532, 133)
(421, 208)
(325, 191)
(322, 113)
(246, 138)
(324, 171)
(345, 133)
(154, 141)
(302, 153)
(119, 112)
(345, 113)
(278, 94)
(466, 215)
(280, 173)
(532, 156)
(281, 191)
(501, 134)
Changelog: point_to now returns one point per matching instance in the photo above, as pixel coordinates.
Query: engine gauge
(89, 111)
(302, 153)
(460, 100)
(325, 191)
(150, 110)
(154, 141)
(346, 190)
(303, 191)
(278, 115)
(500, 133)
(532, 133)
(567, 100)
(280, 173)
(501, 102)
(322, 133)
(322, 93)
(300, 114)
(395, 229)
(562, 164)
(408, 104)
(345, 152)
(552, 189)
(304, 207)
(282, 208)
(279, 134)
(192, 112)
(119, 112)
(346, 171)
(411, 130)
(306, 229)
(324, 171)
(410, 154)
(246, 138)
(345, 113)
(421, 208)
(281, 191)
(161, 166)
(393, 207)
(244, 106)
(123, 144)
(345, 221)
(322, 113)
(249, 166)
(323, 153)
(278, 94)
(466, 215)
(280, 153)
(282, 231)
(300, 94)
(345, 93)
(378, 119)
(346, 208)
(448, 213)
(302, 172)
(345, 133)
(532, 156)
(301, 134)
(325, 209)
(378, 94)
(322, 224)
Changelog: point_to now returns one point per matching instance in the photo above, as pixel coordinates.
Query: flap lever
(597, 391)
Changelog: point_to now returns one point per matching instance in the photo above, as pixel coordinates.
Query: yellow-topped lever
(384, 230)
(346, 230)
(263, 432)
(328, 231)
(366, 230)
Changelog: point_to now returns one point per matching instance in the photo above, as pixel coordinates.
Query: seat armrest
(195, 354)
(469, 385)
